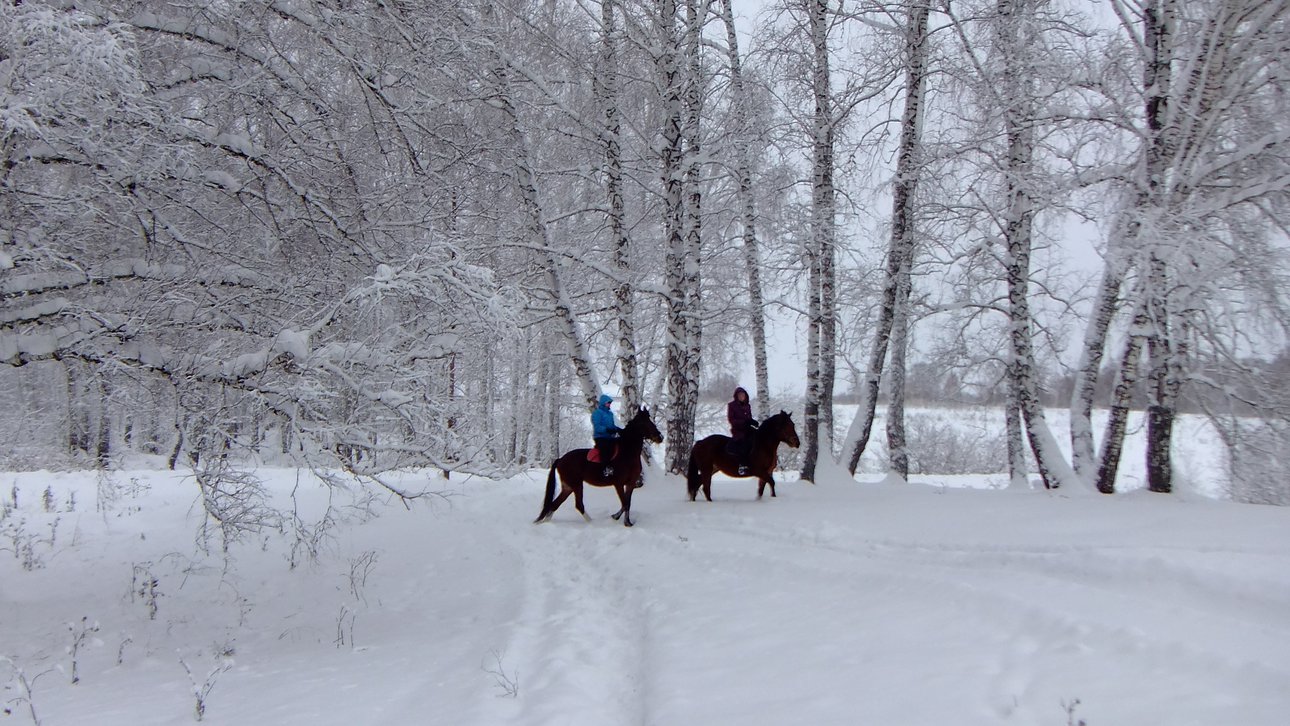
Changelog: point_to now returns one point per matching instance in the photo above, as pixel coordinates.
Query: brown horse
(712, 455)
(575, 470)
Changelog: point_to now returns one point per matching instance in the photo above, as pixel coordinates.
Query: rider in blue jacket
(604, 431)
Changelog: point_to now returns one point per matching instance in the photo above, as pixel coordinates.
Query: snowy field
(942, 602)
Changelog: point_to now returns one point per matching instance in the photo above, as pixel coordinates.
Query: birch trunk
(679, 421)
(607, 91)
(811, 405)
(900, 256)
(1121, 398)
(1105, 305)
(1018, 118)
(1158, 18)
(743, 172)
(897, 446)
(692, 268)
(1150, 319)
(820, 364)
(1018, 476)
(1164, 354)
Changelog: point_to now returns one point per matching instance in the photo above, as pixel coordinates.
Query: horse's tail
(692, 473)
(549, 496)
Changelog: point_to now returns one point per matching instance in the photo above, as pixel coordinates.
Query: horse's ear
(786, 413)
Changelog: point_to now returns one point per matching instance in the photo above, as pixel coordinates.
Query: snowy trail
(579, 640)
(842, 603)
(1029, 627)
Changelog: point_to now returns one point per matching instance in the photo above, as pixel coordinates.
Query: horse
(712, 455)
(574, 470)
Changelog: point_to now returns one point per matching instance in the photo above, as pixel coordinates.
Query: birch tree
(608, 93)
(747, 210)
(1016, 37)
(900, 257)
(820, 363)
(680, 108)
(1210, 156)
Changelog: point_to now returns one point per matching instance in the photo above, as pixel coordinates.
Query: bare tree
(608, 92)
(748, 216)
(897, 284)
(680, 92)
(1209, 163)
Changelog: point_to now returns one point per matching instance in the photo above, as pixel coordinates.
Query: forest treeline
(386, 234)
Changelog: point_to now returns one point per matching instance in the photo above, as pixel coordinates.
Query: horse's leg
(564, 494)
(618, 489)
(577, 500)
(762, 482)
(625, 499)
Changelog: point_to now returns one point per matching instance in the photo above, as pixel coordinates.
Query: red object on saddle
(593, 454)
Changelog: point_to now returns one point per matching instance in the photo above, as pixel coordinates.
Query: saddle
(593, 455)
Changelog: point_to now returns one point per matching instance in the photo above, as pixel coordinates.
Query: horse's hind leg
(577, 501)
(565, 491)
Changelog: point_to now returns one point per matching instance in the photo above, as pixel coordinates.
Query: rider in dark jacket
(742, 423)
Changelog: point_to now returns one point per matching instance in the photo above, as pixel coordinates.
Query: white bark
(900, 255)
(821, 295)
(748, 214)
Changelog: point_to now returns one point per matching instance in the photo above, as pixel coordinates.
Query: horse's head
(643, 426)
(781, 425)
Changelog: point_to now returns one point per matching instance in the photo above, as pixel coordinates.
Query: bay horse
(575, 470)
(712, 455)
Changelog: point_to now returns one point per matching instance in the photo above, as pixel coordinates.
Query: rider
(604, 431)
(742, 423)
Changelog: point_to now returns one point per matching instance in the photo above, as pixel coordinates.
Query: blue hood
(605, 398)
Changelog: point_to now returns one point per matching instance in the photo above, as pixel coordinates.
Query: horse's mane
(777, 417)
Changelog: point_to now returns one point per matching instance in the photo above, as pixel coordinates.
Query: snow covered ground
(839, 603)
